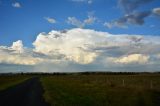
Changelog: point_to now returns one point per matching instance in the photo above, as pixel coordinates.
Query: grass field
(102, 90)
(94, 89)
(8, 81)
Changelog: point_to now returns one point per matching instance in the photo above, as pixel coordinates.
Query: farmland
(9, 81)
(81, 89)
(102, 90)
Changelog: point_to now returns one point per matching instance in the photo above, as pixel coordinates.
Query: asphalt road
(28, 93)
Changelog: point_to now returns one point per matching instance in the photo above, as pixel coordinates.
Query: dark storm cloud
(130, 5)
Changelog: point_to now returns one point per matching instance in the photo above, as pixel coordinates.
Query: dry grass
(8, 81)
(102, 90)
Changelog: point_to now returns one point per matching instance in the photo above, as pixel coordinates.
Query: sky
(79, 35)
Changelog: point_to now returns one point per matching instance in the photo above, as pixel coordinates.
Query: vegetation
(7, 81)
(102, 89)
(94, 89)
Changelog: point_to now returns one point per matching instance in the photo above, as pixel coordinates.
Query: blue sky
(23, 21)
(27, 21)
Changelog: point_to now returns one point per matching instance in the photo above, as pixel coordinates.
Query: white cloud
(84, 46)
(85, 49)
(78, 0)
(19, 59)
(74, 21)
(128, 59)
(50, 20)
(116, 23)
(16, 54)
(16, 5)
(108, 25)
(90, 1)
(83, 1)
(88, 21)
(72, 44)
(18, 46)
(156, 11)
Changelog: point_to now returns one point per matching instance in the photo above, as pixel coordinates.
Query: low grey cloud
(130, 5)
(156, 11)
(131, 14)
(137, 18)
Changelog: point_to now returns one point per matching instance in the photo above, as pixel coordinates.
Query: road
(28, 93)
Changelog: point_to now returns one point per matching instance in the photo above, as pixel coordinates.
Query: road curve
(28, 93)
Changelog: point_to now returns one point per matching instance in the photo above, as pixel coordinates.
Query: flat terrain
(80, 90)
(28, 93)
(102, 90)
(8, 81)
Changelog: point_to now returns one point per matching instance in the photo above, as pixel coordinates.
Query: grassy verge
(102, 90)
(8, 81)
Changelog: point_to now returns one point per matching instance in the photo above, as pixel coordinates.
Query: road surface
(28, 93)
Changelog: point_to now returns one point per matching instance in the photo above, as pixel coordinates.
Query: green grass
(102, 90)
(8, 81)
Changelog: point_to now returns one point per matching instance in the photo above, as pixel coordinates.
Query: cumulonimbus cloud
(79, 47)
(72, 43)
